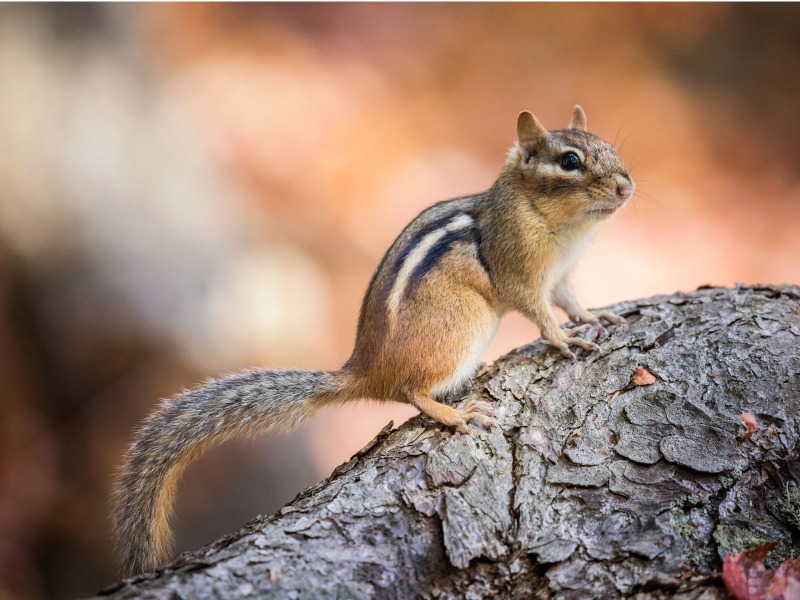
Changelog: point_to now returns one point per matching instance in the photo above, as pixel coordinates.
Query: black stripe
(479, 252)
(438, 251)
(419, 236)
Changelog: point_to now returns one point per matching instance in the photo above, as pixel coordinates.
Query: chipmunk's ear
(531, 135)
(578, 118)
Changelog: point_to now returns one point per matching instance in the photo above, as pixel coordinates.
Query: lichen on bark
(591, 486)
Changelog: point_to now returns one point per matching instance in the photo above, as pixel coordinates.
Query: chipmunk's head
(570, 175)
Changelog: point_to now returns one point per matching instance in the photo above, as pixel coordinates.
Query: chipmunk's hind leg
(453, 394)
(475, 410)
(444, 367)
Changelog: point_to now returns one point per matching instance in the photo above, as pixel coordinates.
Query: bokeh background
(187, 190)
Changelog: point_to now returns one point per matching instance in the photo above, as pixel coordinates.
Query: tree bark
(595, 484)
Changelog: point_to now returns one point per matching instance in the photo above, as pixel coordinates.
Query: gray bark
(591, 486)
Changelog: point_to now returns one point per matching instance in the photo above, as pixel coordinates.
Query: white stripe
(557, 171)
(417, 254)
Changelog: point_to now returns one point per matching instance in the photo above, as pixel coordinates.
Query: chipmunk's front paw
(584, 318)
(610, 317)
(565, 342)
(576, 341)
(595, 318)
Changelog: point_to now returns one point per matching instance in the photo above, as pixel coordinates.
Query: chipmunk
(430, 310)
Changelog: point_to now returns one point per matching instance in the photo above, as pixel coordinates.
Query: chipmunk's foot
(479, 411)
(476, 410)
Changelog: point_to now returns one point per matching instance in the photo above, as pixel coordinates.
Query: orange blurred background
(192, 189)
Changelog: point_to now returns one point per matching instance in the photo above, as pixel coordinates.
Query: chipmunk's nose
(624, 188)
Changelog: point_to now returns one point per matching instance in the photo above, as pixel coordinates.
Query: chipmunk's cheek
(606, 202)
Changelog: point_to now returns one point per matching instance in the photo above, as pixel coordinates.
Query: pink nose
(624, 190)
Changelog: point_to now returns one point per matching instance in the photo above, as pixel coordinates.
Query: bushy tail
(185, 426)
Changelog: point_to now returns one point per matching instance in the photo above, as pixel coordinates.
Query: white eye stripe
(557, 171)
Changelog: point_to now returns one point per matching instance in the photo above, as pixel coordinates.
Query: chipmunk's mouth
(603, 212)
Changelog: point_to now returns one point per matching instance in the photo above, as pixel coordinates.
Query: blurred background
(187, 190)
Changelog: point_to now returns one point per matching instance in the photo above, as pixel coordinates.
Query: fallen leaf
(747, 578)
(739, 569)
(641, 376)
(749, 422)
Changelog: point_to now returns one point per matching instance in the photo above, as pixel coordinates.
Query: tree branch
(591, 487)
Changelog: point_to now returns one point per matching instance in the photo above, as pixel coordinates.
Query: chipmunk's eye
(570, 161)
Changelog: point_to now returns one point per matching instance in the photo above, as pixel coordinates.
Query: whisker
(640, 159)
(648, 198)
(622, 125)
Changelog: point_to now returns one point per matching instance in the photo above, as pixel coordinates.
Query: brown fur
(430, 310)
